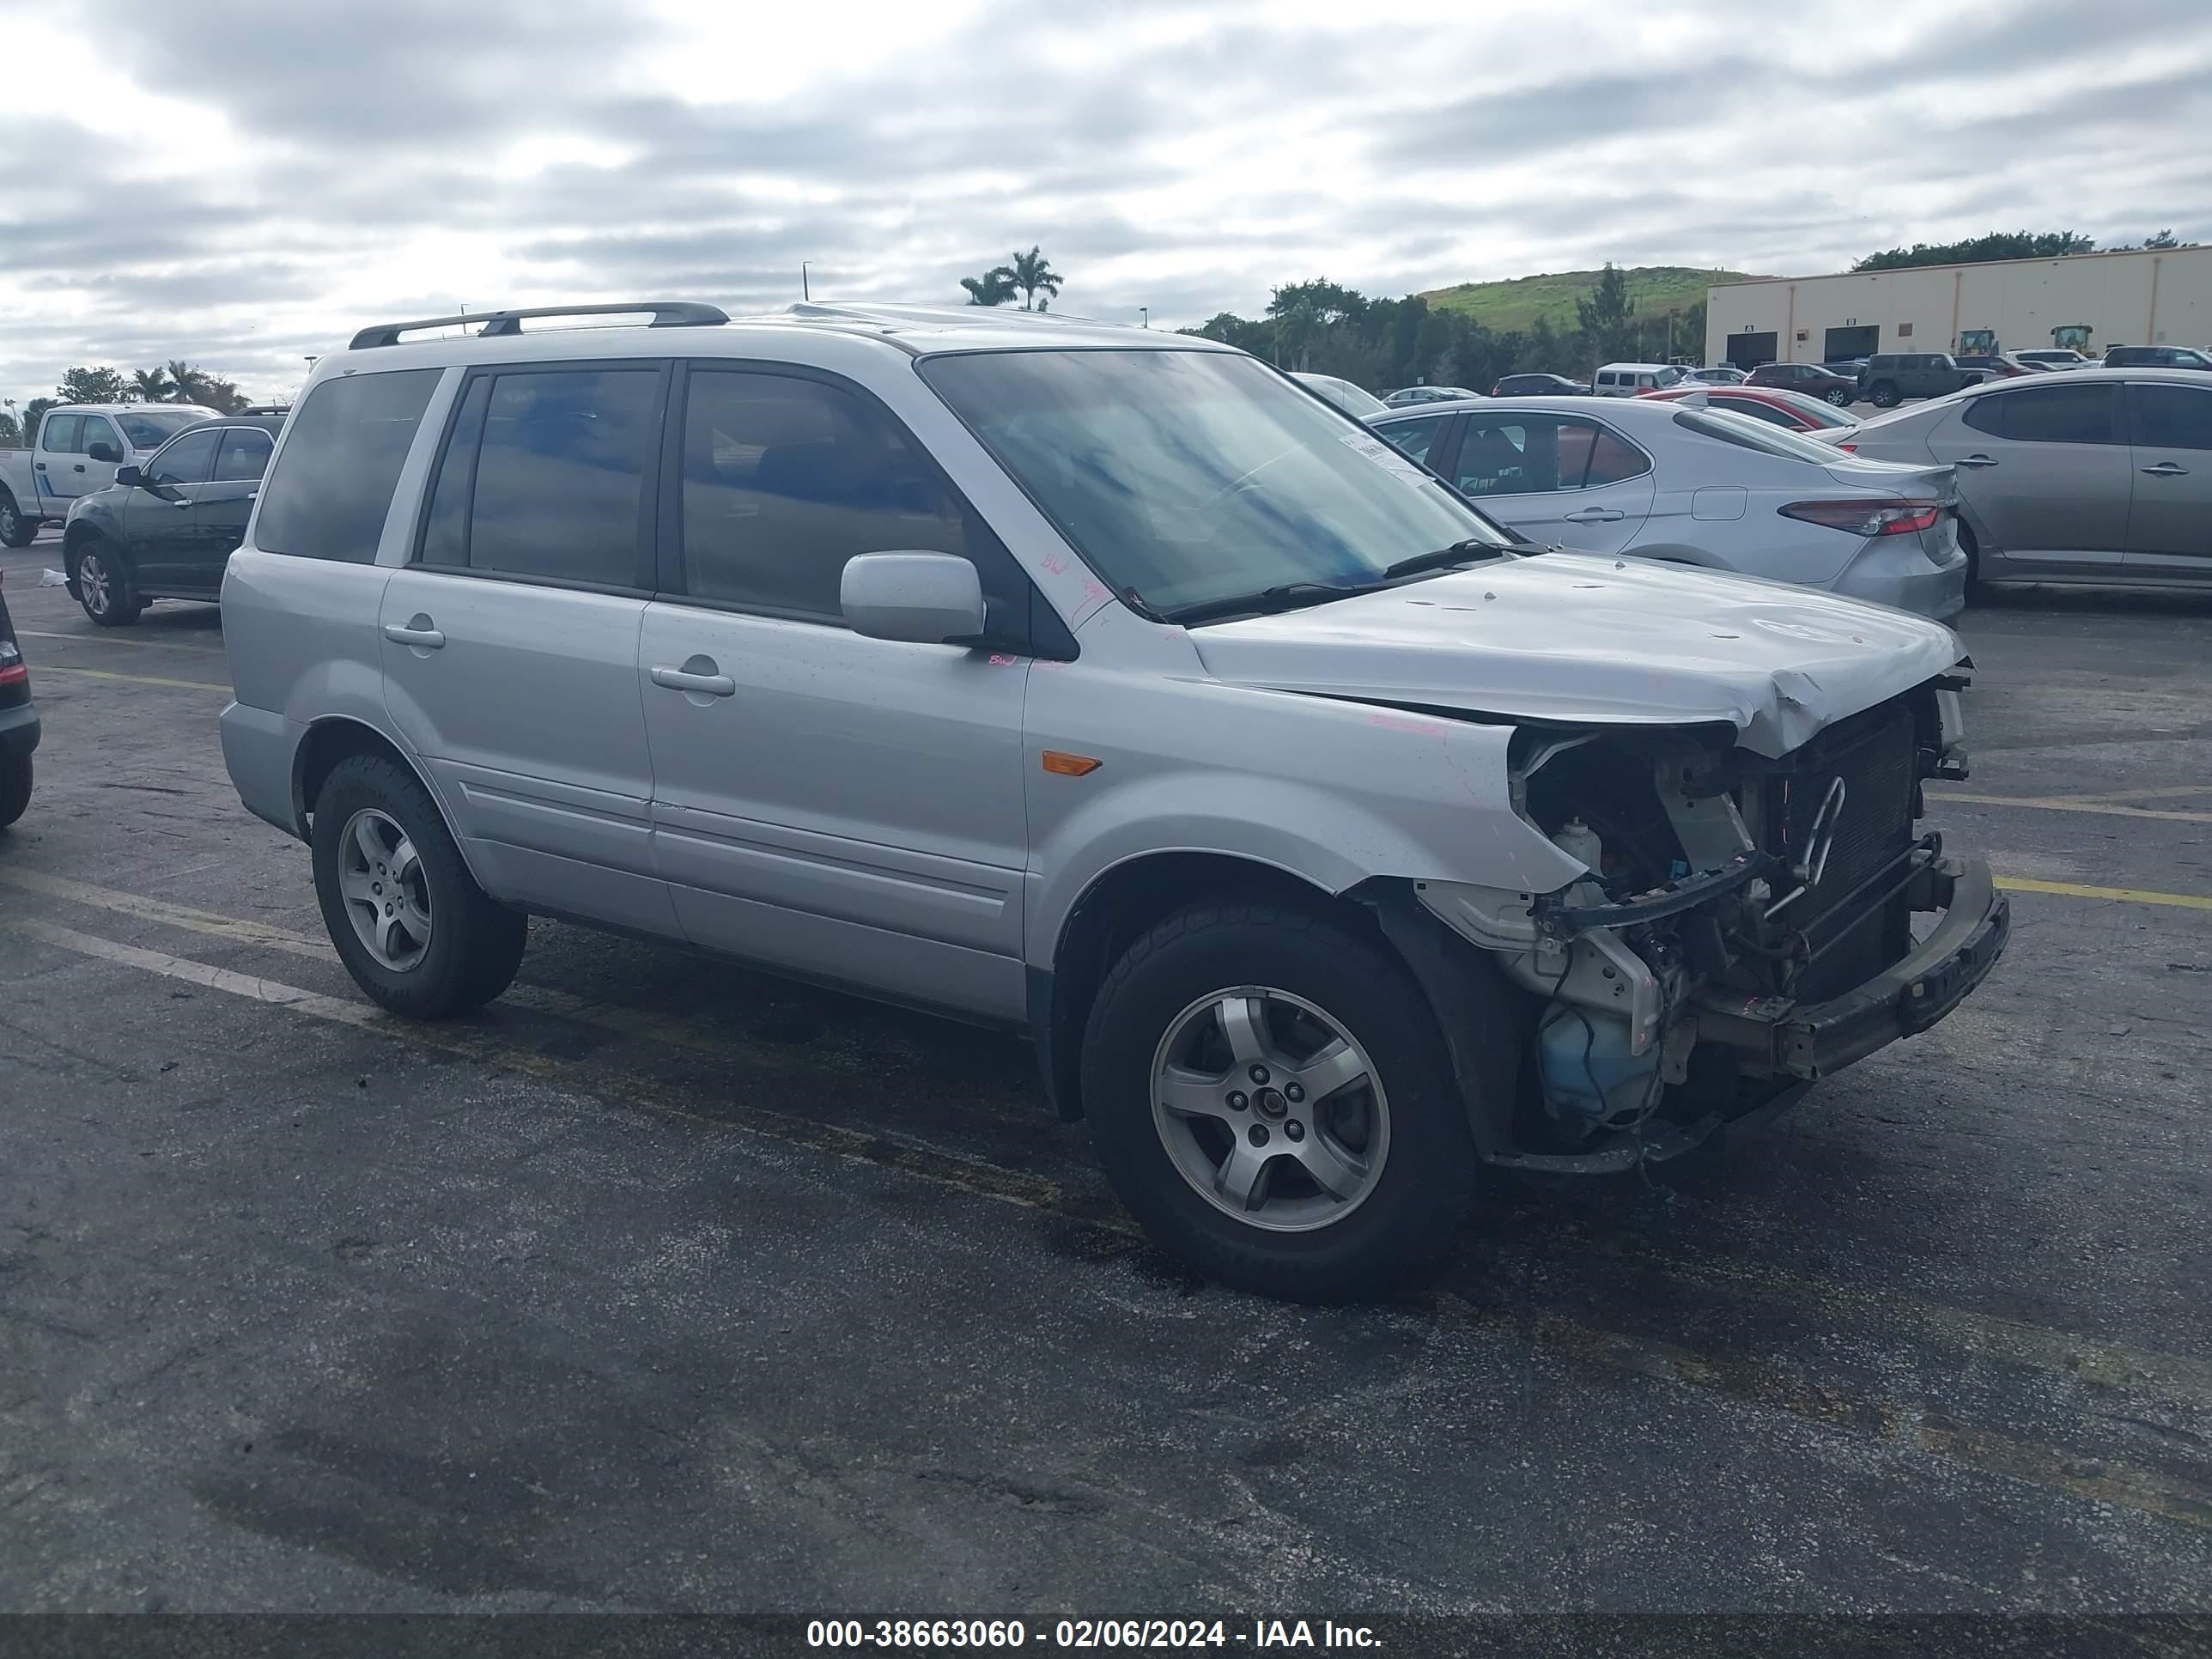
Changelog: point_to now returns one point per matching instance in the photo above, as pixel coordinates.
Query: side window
(1608, 380)
(57, 434)
(1523, 456)
(785, 478)
(2172, 417)
(343, 452)
(445, 532)
(1613, 459)
(2060, 415)
(97, 430)
(561, 474)
(187, 461)
(1415, 438)
(243, 456)
(1647, 381)
(1986, 415)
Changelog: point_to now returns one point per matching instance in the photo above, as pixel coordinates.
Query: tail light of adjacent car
(1895, 518)
(14, 670)
(1849, 448)
(1498, 390)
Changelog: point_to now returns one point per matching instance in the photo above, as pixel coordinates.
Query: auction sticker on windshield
(1389, 459)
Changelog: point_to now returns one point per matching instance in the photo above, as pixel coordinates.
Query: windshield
(1742, 429)
(149, 429)
(1818, 411)
(1197, 478)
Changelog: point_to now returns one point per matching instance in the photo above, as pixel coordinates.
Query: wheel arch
(337, 738)
(1121, 903)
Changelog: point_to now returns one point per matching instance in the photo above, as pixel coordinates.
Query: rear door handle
(426, 637)
(2163, 469)
(1595, 516)
(40, 465)
(79, 467)
(1974, 460)
(677, 679)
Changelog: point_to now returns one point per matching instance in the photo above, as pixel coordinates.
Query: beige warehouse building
(2089, 301)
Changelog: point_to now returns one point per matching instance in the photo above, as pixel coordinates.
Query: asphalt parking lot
(660, 1286)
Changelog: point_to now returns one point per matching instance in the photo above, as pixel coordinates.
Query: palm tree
(1033, 274)
(993, 288)
(152, 385)
(191, 383)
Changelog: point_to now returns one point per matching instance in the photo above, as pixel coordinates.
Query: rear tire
(1841, 397)
(1342, 1071)
(15, 530)
(101, 579)
(15, 788)
(393, 884)
(1976, 592)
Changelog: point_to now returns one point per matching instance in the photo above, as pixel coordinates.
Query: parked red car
(1793, 410)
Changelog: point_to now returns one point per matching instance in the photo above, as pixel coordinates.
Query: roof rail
(667, 313)
(896, 312)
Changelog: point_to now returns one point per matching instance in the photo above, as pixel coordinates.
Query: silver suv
(1106, 685)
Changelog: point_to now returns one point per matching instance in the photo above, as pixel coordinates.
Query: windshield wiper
(1457, 553)
(1287, 596)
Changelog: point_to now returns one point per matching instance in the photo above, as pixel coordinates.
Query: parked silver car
(1100, 685)
(2098, 475)
(1669, 479)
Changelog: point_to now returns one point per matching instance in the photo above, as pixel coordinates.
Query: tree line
(2005, 245)
(173, 382)
(1325, 328)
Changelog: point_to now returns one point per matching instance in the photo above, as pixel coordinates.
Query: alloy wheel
(94, 584)
(386, 889)
(1270, 1108)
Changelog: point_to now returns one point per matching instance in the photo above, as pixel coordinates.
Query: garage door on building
(1750, 350)
(1861, 342)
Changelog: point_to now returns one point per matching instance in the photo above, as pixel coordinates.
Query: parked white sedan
(1684, 485)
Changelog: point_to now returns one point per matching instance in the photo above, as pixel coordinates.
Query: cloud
(245, 182)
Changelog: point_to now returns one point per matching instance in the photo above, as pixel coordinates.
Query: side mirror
(125, 475)
(922, 598)
(103, 450)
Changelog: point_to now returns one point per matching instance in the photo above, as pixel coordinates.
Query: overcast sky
(242, 182)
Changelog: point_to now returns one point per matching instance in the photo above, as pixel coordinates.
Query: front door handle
(79, 467)
(40, 465)
(2163, 469)
(1974, 460)
(416, 631)
(690, 679)
(1595, 516)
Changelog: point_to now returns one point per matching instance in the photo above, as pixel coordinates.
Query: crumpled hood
(1588, 639)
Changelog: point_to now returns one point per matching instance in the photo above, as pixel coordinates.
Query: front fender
(1334, 792)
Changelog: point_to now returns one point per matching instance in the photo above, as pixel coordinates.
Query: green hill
(1517, 303)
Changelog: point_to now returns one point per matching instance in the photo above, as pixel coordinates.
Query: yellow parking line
(2063, 804)
(2123, 895)
(133, 679)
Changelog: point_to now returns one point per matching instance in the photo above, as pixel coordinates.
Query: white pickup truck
(78, 449)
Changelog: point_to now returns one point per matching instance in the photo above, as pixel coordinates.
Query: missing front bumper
(1810, 1040)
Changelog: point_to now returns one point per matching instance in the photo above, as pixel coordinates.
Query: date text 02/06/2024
(1086, 1633)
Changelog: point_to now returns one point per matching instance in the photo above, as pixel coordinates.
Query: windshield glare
(149, 429)
(1195, 477)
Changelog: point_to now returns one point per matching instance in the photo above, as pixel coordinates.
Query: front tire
(15, 529)
(1270, 1096)
(100, 578)
(409, 922)
(15, 788)
(1883, 394)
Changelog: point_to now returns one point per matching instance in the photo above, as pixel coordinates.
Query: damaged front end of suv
(1749, 923)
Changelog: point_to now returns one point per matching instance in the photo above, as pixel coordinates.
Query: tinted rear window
(2053, 415)
(343, 452)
